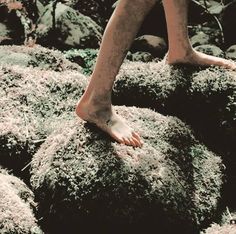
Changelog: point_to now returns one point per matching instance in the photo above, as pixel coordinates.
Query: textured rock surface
(200, 38)
(141, 57)
(86, 179)
(36, 56)
(99, 11)
(149, 85)
(231, 52)
(32, 102)
(86, 58)
(204, 98)
(149, 43)
(211, 50)
(16, 206)
(211, 110)
(71, 29)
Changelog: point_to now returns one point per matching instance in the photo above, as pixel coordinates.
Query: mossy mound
(211, 110)
(204, 98)
(151, 84)
(93, 184)
(33, 102)
(36, 56)
(217, 229)
(16, 206)
(63, 27)
(212, 95)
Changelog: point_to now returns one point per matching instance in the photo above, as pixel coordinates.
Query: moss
(211, 110)
(172, 182)
(36, 56)
(85, 58)
(16, 206)
(154, 85)
(33, 102)
(204, 98)
(217, 229)
(69, 29)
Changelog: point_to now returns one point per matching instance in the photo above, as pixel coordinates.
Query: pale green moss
(83, 176)
(33, 102)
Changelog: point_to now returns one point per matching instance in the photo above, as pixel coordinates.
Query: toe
(136, 142)
(136, 135)
(118, 139)
(133, 143)
(126, 141)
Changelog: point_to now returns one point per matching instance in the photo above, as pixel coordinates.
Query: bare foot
(107, 120)
(200, 59)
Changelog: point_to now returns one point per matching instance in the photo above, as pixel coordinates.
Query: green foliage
(86, 58)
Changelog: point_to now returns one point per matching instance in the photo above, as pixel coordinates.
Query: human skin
(95, 104)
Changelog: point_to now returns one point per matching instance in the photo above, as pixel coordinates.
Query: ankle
(178, 55)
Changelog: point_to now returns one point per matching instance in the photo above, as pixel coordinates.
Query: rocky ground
(61, 175)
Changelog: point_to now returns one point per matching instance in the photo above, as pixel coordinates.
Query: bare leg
(180, 49)
(95, 104)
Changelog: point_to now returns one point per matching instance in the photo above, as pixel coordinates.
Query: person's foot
(106, 119)
(199, 59)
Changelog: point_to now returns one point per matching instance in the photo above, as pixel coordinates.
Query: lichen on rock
(84, 177)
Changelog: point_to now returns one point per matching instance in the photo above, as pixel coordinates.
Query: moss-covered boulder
(63, 27)
(36, 56)
(33, 102)
(156, 46)
(211, 110)
(93, 184)
(16, 206)
(204, 98)
(153, 84)
(99, 11)
(217, 229)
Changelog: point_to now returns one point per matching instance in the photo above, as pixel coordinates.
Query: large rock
(16, 206)
(20, 18)
(36, 56)
(12, 30)
(211, 110)
(204, 98)
(149, 43)
(99, 11)
(231, 52)
(211, 50)
(200, 38)
(66, 28)
(33, 102)
(153, 84)
(91, 183)
(5, 34)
